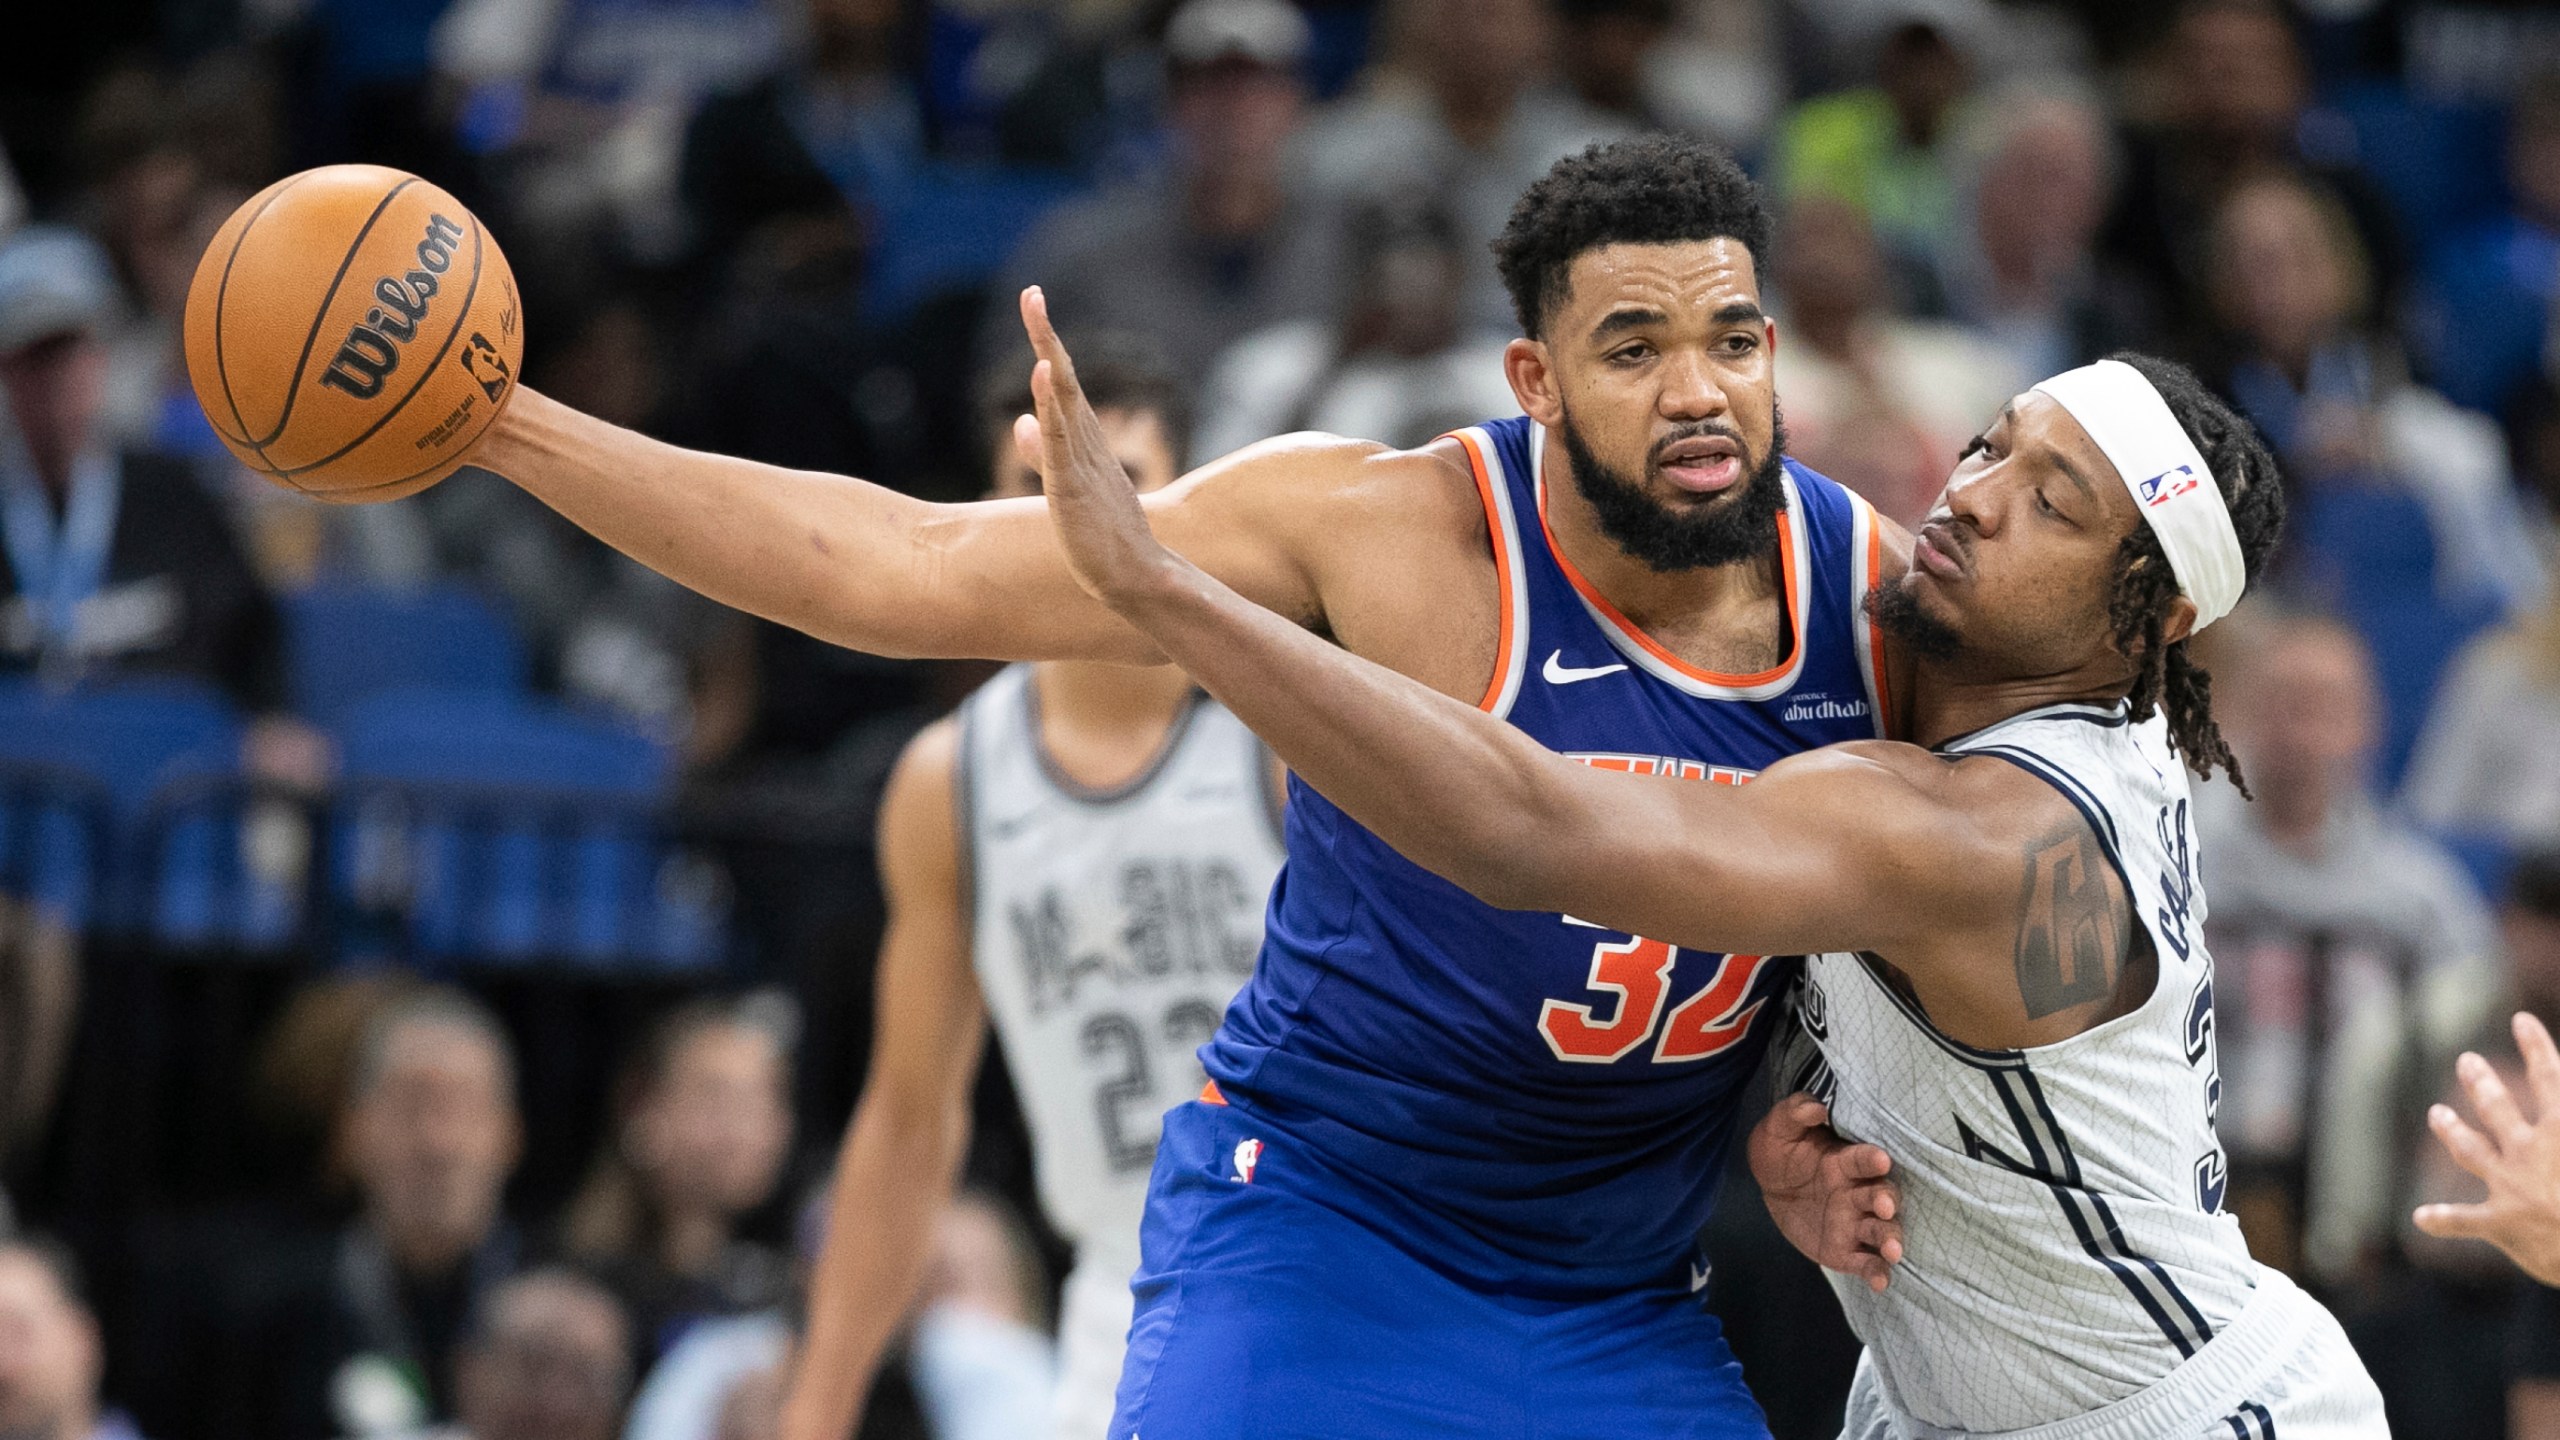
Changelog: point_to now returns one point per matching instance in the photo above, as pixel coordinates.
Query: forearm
(848, 561)
(1381, 746)
(895, 1177)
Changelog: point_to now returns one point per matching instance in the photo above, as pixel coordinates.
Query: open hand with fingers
(1114, 555)
(2518, 1155)
(1833, 1199)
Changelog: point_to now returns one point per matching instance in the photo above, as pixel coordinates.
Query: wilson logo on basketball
(371, 350)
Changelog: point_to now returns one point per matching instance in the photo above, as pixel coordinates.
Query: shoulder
(1309, 479)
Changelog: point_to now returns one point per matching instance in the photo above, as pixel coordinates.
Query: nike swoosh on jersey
(1559, 673)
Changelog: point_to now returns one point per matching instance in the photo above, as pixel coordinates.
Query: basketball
(351, 332)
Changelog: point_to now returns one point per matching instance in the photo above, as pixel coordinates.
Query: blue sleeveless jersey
(1532, 1104)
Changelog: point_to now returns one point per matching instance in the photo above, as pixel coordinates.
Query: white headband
(2170, 482)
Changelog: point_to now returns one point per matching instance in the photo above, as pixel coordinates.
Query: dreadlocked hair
(2165, 676)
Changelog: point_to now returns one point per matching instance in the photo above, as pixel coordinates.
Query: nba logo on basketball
(1248, 1155)
(2169, 485)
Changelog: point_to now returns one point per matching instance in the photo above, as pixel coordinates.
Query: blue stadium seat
(346, 642)
(108, 748)
(2488, 858)
(2372, 552)
(489, 829)
(951, 229)
(2437, 162)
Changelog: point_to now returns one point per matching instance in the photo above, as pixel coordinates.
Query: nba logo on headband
(2162, 488)
(2139, 435)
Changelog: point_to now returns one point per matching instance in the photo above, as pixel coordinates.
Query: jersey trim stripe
(2108, 717)
(1973, 1055)
(1794, 566)
(1868, 538)
(1104, 795)
(2197, 1331)
(2100, 823)
(2252, 1423)
(1512, 636)
(2050, 1162)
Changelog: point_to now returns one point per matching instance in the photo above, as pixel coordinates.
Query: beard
(1666, 539)
(1897, 613)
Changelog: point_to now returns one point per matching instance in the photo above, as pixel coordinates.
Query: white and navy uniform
(1110, 929)
(2068, 1268)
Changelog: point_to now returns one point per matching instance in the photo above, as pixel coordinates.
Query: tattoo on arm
(2071, 931)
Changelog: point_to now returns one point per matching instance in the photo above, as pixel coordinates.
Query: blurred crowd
(792, 230)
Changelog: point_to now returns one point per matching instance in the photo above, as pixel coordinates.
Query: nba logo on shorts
(2168, 485)
(1248, 1155)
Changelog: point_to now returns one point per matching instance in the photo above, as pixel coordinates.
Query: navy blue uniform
(1455, 1158)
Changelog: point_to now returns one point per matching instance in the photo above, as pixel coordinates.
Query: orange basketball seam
(461, 317)
(222, 295)
(293, 388)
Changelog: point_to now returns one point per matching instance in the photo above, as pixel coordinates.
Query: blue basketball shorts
(1266, 1314)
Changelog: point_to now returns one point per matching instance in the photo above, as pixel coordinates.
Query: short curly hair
(1651, 190)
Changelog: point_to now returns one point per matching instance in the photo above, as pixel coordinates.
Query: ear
(2180, 621)
(1769, 336)
(1528, 365)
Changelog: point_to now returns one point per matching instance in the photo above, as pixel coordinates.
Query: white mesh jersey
(2065, 1245)
(1111, 930)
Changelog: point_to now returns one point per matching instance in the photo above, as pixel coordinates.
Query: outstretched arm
(1847, 848)
(866, 567)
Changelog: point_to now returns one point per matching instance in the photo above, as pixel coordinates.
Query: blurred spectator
(2351, 954)
(13, 200)
(2495, 288)
(1884, 148)
(795, 161)
(116, 560)
(2529, 925)
(984, 1363)
(430, 1133)
(547, 1357)
(727, 1377)
(2034, 172)
(1877, 402)
(2430, 1336)
(1460, 105)
(2237, 90)
(1224, 240)
(50, 1356)
(1716, 74)
(2488, 762)
(2294, 293)
(1604, 48)
(39, 998)
(702, 1126)
(1397, 366)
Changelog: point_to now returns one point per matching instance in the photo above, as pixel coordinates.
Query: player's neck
(1946, 704)
(1728, 618)
(1104, 724)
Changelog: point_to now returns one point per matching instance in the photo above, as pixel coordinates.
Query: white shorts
(1093, 1337)
(2282, 1371)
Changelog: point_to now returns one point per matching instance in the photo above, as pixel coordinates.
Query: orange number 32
(1637, 973)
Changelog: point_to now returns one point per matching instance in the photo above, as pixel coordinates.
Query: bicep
(1005, 592)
